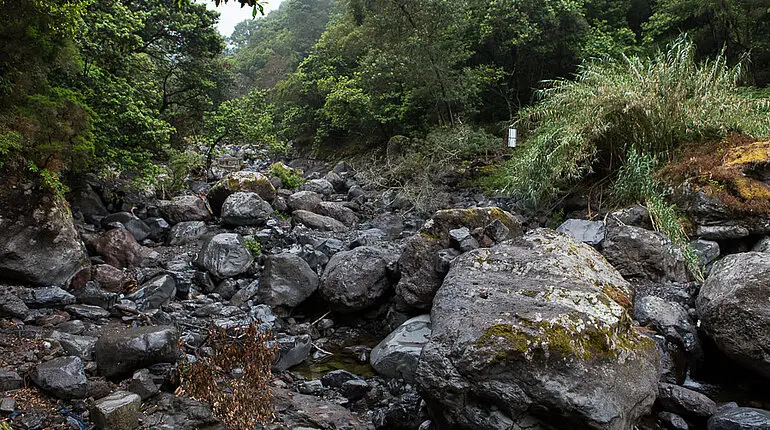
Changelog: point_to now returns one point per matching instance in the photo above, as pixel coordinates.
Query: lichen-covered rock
(248, 182)
(184, 208)
(225, 255)
(420, 275)
(641, 254)
(186, 232)
(245, 209)
(734, 309)
(356, 279)
(535, 332)
(38, 241)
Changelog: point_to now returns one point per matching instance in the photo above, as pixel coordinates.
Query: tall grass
(650, 104)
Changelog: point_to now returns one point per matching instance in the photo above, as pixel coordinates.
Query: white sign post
(511, 137)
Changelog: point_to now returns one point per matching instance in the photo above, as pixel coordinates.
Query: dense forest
(149, 90)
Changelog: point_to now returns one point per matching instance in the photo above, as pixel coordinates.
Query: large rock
(686, 402)
(319, 186)
(304, 201)
(286, 281)
(119, 248)
(184, 208)
(535, 333)
(38, 241)
(397, 356)
(250, 182)
(118, 411)
(421, 275)
(155, 293)
(643, 255)
(79, 346)
(734, 309)
(120, 353)
(186, 232)
(740, 419)
(339, 212)
(670, 320)
(85, 200)
(356, 279)
(245, 209)
(225, 255)
(64, 377)
(318, 222)
(137, 227)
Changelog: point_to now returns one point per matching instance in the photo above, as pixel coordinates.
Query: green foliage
(254, 247)
(179, 166)
(591, 123)
(289, 177)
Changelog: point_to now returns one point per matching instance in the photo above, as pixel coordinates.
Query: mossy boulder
(248, 182)
(38, 241)
(535, 333)
(421, 276)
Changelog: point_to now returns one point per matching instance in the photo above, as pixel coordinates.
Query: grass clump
(288, 176)
(652, 105)
(235, 379)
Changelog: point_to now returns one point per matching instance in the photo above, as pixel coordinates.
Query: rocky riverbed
(472, 318)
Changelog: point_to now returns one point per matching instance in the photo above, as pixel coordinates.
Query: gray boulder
(397, 355)
(734, 309)
(12, 306)
(186, 232)
(535, 333)
(304, 201)
(184, 208)
(10, 380)
(79, 346)
(87, 312)
(686, 402)
(38, 241)
(137, 227)
(286, 281)
(248, 182)
(225, 255)
(339, 212)
(356, 279)
(318, 222)
(91, 294)
(740, 419)
(119, 353)
(245, 209)
(118, 411)
(589, 232)
(320, 186)
(158, 228)
(120, 249)
(641, 254)
(46, 297)
(670, 320)
(707, 250)
(420, 275)
(762, 245)
(64, 377)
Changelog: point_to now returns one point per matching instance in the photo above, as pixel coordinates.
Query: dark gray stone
(304, 200)
(354, 389)
(286, 281)
(318, 222)
(397, 355)
(339, 212)
(155, 293)
(245, 294)
(685, 402)
(337, 378)
(64, 377)
(740, 419)
(91, 294)
(707, 250)
(672, 421)
(320, 186)
(87, 312)
(721, 232)
(643, 255)
(356, 279)
(159, 227)
(79, 346)
(462, 239)
(669, 319)
(123, 352)
(46, 297)
(10, 380)
(734, 309)
(143, 384)
(118, 411)
(184, 208)
(12, 306)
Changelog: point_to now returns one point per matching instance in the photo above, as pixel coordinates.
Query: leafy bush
(289, 177)
(654, 105)
(235, 379)
(180, 165)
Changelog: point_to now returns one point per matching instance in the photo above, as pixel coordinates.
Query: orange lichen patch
(753, 153)
(723, 170)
